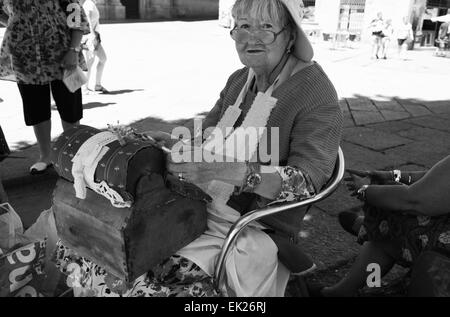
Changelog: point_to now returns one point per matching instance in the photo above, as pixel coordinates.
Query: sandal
(39, 168)
(101, 89)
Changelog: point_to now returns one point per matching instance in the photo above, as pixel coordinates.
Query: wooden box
(127, 242)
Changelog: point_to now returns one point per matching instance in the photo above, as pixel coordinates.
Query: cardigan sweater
(310, 121)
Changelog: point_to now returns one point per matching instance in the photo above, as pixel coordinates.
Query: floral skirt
(173, 277)
(411, 234)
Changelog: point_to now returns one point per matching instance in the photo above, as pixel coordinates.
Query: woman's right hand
(162, 138)
(376, 177)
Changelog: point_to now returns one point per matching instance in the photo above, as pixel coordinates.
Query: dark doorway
(131, 9)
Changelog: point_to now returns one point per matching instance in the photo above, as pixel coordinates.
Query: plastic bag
(25, 266)
(21, 270)
(45, 228)
(74, 78)
(10, 226)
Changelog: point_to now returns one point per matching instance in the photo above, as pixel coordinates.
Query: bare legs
(385, 45)
(376, 47)
(96, 58)
(371, 252)
(66, 125)
(402, 50)
(43, 135)
(42, 132)
(101, 56)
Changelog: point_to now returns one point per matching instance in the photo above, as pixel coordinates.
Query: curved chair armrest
(257, 214)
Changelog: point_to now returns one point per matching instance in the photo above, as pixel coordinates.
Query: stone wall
(196, 9)
(111, 9)
(161, 9)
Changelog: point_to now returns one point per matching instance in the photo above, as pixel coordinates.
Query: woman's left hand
(203, 172)
(70, 60)
(355, 182)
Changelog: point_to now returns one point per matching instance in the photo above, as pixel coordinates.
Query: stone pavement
(397, 113)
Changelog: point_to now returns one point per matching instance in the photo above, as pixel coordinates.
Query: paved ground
(397, 113)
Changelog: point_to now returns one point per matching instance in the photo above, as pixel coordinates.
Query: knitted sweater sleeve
(314, 142)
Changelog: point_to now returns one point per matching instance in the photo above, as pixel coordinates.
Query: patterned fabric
(296, 185)
(36, 40)
(411, 234)
(173, 277)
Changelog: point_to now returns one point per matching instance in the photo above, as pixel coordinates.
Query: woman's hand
(356, 180)
(162, 138)
(200, 172)
(376, 177)
(70, 60)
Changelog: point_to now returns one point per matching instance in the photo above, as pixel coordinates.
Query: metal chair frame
(257, 214)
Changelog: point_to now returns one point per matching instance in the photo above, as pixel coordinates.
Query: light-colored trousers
(97, 56)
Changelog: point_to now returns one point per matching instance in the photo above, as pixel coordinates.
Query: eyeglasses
(243, 36)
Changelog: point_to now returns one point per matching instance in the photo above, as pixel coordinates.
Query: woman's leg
(43, 131)
(403, 50)
(70, 105)
(90, 58)
(36, 108)
(371, 253)
(101, 57)
(386, 42)
(374, 46)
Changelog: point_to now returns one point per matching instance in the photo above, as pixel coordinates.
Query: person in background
(405, 35)
(388, 33)
(93, 49)
(443, 39)
(35, 53)
(377, 27)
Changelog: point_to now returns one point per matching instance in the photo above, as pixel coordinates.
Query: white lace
(85, 163)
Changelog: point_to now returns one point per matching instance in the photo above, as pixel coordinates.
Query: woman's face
(254, 53)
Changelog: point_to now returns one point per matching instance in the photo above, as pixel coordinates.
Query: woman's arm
(3, 16)
(314, 143)
(429, 196)
(409, 178)
(71, 7)
(88, 10)
(70, 59)
(284, 183)
(75, 38)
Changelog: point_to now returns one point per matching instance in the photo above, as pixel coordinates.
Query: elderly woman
(281, 90)
(406, 216)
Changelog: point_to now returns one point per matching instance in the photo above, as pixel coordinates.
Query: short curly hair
(269, 10)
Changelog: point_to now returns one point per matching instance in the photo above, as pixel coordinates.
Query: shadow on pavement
(123, 91)
(92, 105)
(158, 124)
(21, 145)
